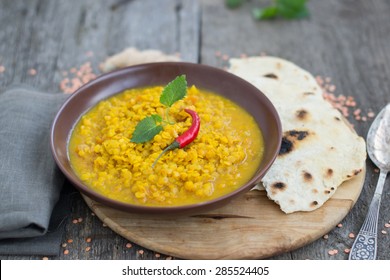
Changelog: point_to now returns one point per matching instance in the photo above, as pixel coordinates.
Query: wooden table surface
(348, 41)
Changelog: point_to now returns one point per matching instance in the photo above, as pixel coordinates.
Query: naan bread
(319, 150)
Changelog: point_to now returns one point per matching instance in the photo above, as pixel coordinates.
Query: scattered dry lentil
(141, 252)
(340, 225)
(45, 258)
(70, 240)
(326, 236)
(104, 225)
(64, 245)
(333, 252)
(78, 77)
(384, 232)
(157, 255)
(351, 235)
(75, 221)
(345, 104)
(2, 69)
(88, 249)
(347, 250)
(79, 220)
(66, 252)
(89, 53)
(32, 72)
(88, 240)
(387, 225)
(168, 258)
(128, 245)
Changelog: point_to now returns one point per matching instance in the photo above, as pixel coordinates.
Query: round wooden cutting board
(250, 227)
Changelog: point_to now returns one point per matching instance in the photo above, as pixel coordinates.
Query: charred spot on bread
(286, 146)
(279, 185)
(337, 118)
(298, 134)
(308, 93)
(329, 172)
(271, 76)
(302, 114)
(314, 203)
(289, 140)
(307, 176)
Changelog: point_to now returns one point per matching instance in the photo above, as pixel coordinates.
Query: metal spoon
(378, 148)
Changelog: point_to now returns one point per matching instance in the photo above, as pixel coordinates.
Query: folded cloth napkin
(30, 182)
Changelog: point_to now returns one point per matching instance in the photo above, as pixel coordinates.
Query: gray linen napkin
(30, 182)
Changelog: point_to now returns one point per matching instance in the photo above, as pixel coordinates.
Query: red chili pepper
(186, 138)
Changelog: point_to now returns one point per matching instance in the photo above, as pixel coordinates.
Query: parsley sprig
(150, 126)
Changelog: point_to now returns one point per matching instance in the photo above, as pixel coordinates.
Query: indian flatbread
(133, 56)
(319, 149)
(256, 68)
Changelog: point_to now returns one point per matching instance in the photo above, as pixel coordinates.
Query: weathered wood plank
(345, 40)
(54, 36)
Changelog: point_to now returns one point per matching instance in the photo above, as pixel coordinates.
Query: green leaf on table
(292, 8)
(146, 129)
(232, 4)
(289, 9)
(174, 91)
(266, 13)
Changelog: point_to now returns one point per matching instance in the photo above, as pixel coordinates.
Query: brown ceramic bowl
(204, 77)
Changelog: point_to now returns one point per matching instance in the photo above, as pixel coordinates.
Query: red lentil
(32, 72)
(64, 245)
(387, 225)
(79, 77)
(2, 69)
(75, 221)
(340, 225)
(70, 240)
(157, 255)
(351, 235)
(66, 252)
(168, 258)
(45, 258)
(88, 249)
(333, 252)
(79, 220)
(326, 236)
(384, 232)
(347, 250)
(88, 240)
(141, 252)
(128, 245)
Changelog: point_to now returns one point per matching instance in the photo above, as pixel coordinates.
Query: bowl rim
(146, 209)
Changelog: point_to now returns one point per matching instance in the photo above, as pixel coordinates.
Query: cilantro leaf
(174, 91)
(146, 129)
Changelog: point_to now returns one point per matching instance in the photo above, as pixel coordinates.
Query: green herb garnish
(288, 9)
(150, 126)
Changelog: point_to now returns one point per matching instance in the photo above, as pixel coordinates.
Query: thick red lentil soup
(224, 156)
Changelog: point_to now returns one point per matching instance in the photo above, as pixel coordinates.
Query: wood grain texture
(250, 227)
(345, 40)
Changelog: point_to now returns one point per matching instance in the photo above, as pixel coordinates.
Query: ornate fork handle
(364, 247)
